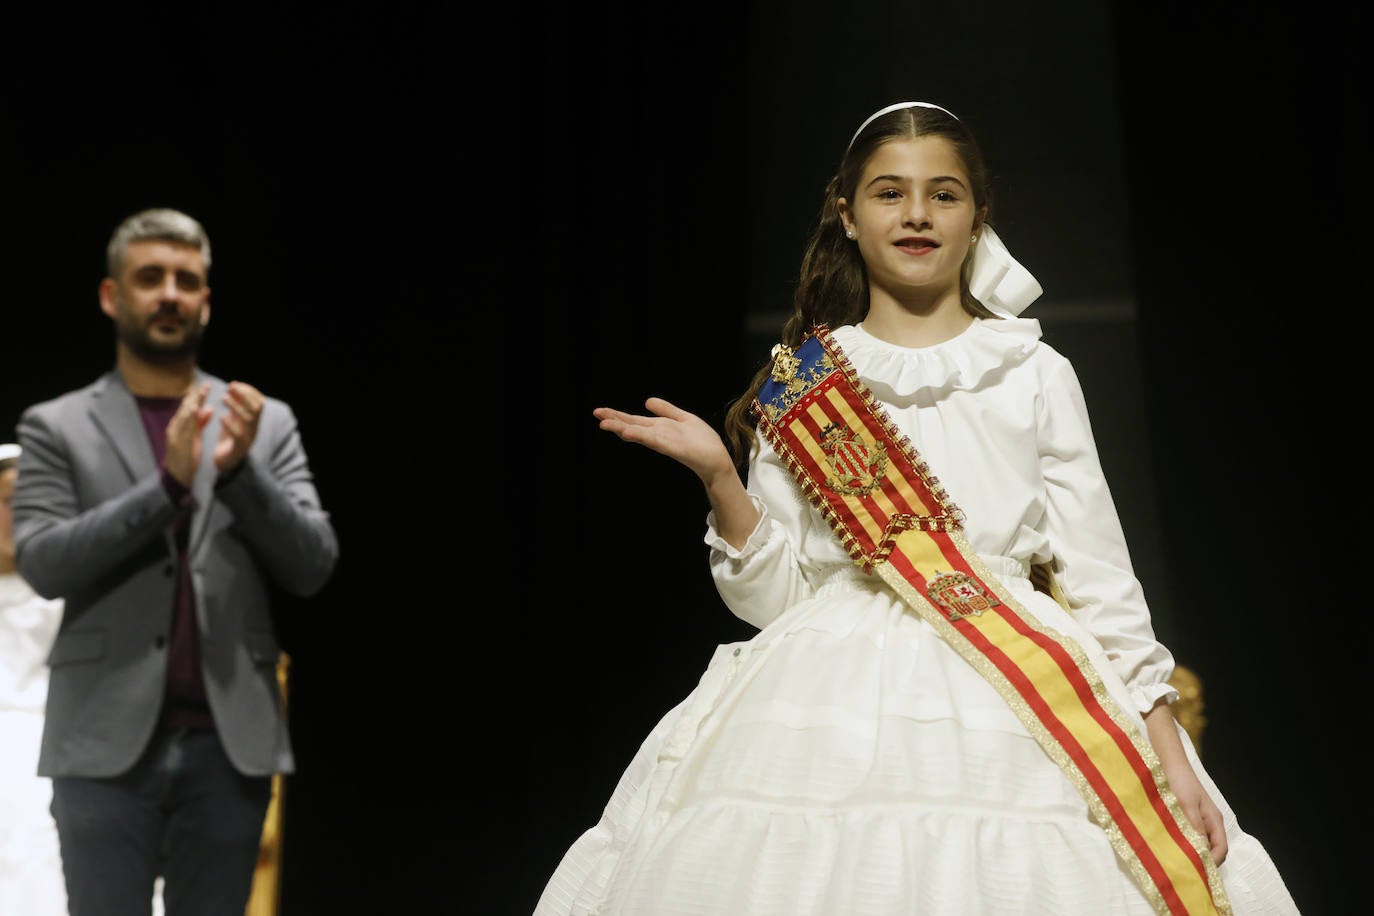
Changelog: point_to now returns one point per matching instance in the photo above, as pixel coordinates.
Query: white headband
(996, 279)
(9, 450)
(882, 111)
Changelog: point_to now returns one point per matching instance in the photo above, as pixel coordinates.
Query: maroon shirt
(184, 704)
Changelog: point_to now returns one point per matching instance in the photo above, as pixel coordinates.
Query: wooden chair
(266, 897)
(1188, 708)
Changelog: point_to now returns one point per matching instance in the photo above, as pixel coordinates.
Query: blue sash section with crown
(794, 373)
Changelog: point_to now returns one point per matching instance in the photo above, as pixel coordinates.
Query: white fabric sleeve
(765, 577)
(1091, 561)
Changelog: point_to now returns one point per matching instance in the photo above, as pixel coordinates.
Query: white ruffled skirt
(847, 762)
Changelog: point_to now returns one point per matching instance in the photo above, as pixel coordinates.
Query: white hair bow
(997, 279)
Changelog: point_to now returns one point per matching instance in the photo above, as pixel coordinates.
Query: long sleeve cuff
(757, 538)
(1146, 696)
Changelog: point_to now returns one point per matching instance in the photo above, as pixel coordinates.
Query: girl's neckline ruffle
(961, 363)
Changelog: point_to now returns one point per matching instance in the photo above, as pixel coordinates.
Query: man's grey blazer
(93, 526)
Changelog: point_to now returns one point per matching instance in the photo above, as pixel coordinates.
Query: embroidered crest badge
(959, 595)
(785, 363)
(857, 464)
(794, 376)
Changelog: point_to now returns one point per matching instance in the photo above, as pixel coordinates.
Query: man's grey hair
(158, 224)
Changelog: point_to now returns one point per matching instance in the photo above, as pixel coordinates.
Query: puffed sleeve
(765, 577)
(1091, 561)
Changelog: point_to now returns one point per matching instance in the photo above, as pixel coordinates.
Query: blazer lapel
(115, 413)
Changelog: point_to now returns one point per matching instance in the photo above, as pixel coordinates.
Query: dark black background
(444, 239)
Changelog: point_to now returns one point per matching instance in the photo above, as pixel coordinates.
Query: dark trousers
(182, 812)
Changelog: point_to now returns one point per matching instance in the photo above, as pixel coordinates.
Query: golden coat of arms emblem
(856, 465)
(959, 595)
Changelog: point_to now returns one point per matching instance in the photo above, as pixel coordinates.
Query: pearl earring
(973, 240)
(849, 233)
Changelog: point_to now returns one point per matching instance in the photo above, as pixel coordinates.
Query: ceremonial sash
(896, 521)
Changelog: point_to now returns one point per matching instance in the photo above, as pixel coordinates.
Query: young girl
(955, 703)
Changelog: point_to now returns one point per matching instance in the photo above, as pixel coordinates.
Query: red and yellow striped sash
(881, 499)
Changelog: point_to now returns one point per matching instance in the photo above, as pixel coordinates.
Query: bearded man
(162, 503)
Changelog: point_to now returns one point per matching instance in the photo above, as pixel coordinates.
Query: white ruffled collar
(958, 364)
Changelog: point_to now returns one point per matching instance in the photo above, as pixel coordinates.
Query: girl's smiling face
(913, 217)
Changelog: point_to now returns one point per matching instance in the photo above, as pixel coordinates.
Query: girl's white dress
(845, 760)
